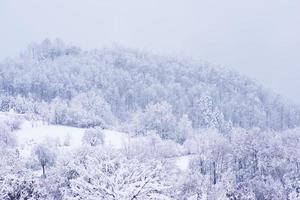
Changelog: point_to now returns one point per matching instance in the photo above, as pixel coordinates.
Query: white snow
(36, 132)
(115, 139)
(183, 162)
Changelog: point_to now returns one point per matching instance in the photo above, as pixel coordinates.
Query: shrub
(93, 137)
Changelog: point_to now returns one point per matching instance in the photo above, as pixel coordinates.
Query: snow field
(36, 132)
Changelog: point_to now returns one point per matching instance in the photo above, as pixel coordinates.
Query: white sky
(259, 38)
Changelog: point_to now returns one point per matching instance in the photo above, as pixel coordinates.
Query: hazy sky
(259, 38)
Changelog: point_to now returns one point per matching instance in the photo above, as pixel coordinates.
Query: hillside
(65, 85)
(119, 124)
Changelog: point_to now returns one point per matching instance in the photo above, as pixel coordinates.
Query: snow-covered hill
(68, 86)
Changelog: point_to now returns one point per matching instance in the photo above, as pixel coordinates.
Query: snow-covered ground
(32, 132)
(36, 132)
(39, 132)
(182, 162)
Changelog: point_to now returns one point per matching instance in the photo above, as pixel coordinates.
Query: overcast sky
(259, 38)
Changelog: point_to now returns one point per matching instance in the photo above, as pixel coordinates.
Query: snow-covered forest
(127, 124)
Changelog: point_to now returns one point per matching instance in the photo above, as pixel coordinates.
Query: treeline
(128, 81)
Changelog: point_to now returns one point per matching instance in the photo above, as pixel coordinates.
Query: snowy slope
(36, 132)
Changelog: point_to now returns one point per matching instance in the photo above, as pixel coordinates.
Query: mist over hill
(67, 85)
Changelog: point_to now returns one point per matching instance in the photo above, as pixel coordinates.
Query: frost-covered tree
(206, 115)
(93, 137)
(45, 156)
(108, 177)
(159, 117)
(49, 50)
(7, 137)
(67, 140)
(151, 146)
(21, 187)
(84, 110)
(203, 112)
(184, 128)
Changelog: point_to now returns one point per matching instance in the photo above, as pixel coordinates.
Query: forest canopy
(66, 85)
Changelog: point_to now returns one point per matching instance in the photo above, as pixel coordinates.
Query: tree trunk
(44, 173)
(214, 173)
